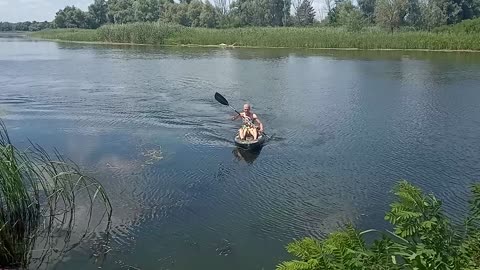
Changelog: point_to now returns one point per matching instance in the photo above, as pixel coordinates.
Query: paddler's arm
(236, 117)
(259, 123)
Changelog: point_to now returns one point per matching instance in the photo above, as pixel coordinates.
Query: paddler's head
(246, 108)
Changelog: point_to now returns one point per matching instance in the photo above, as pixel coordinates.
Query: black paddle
(224, 101)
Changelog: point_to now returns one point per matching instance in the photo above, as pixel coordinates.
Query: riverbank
(266, 37)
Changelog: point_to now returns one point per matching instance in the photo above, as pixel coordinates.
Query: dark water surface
(347, 125)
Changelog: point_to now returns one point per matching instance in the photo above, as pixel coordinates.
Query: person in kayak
(248, 126)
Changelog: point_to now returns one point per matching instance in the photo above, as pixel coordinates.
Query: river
(345, 126)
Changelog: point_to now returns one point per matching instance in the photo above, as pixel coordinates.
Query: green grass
(289, 37)
(39, 198)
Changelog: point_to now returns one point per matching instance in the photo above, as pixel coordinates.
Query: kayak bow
(250, 144)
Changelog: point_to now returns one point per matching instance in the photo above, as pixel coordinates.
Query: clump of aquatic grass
(138, 33)
(39, 199)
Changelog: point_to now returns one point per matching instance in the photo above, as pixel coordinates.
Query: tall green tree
(390, 13)
(475, 4)
(71, 17)
(208, 16)
(146, 10)
(260, 12)
(332, 16)
(6, 26)
(350, 16)
(414, 15)
(222, 6)
(453, 9)
(175, 13)
(121, 11)
(305, 14)
(37, 26)
(193, 13)
(468, 9)
(251, 12)
(433, 14)
(98, 13)
(22, 26)
(368, 9)
(280, 11)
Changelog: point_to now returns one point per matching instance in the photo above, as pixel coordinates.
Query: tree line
(24, 26)
(391, 14)
(193, 13)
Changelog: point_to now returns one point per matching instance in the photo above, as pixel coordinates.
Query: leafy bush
(423, 238)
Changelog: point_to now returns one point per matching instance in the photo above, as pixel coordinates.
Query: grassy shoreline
(249, 47)
(322, 38)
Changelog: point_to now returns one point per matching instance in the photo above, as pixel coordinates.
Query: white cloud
(36, 10)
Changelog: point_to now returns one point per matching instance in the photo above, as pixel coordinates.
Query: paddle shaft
(234, 109)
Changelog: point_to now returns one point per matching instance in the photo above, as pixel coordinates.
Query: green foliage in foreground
(291, 37)
(423, 238)
(40, 196)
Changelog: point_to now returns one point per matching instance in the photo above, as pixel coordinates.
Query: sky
(36, 10)
(44, 10)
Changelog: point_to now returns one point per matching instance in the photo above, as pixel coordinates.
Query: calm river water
(346, 126)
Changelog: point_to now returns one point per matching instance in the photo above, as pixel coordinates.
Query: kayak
(250, 144)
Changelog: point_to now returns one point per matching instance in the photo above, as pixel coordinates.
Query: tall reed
(138, 33)
(39, 199)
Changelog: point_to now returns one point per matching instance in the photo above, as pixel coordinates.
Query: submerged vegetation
(291, 37)
(423, 238)
(46, 205)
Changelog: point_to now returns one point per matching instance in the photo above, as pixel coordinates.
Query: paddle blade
(221, 99)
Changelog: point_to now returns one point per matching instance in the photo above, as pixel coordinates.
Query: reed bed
(280, 37)
(71, 34)
(39, 199)
(325, 37)
(138, 33)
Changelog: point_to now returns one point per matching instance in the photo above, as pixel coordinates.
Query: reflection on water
(143, 120)
(248, 156)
